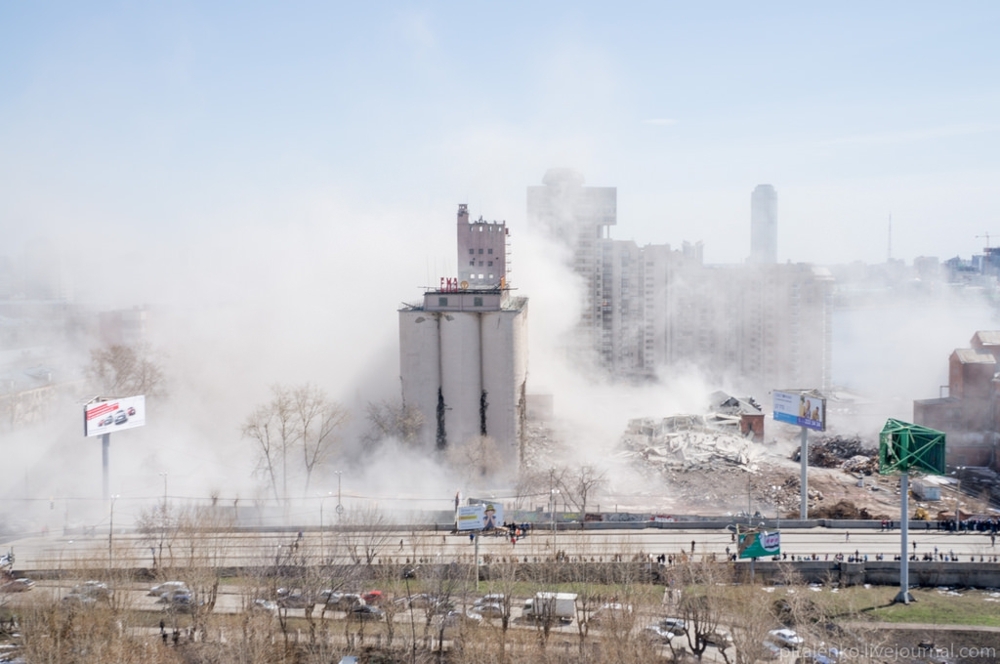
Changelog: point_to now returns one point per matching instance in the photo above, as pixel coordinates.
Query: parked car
(491, 610)
(343, 601)
(493, 598)
(785, 638)
(657, 634)
(294, 599)
(179, 601)
(8, 585)
(456, 618)
(167, 587)
(610, 614)
(365, 612)
(771, 651)
(720, 640)
(372, 597)
(263, 605)
(675, 626)
(427, 601)
(88, 593)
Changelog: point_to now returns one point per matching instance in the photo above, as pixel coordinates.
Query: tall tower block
(764, 225)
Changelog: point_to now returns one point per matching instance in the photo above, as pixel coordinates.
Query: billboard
(486, 516)
(112, 415)
(800, 408)
(757, 544)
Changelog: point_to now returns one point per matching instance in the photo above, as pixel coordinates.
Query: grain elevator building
(463, 349)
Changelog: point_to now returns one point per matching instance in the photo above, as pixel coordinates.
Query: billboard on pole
(480, 517)
(757, 544)
(803, 409)
(112, 415)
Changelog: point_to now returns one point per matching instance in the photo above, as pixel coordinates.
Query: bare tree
(320, 421)
(389, 419)
(272, 428)
(121, 370)
(302, 420)
(578, 485)
(368, 531)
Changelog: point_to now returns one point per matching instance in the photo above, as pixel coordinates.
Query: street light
(164, 476)
(340, 504)
(552, 502)
(322, 548)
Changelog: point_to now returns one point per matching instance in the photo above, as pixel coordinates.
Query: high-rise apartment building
(651, 310)
(764, 225)
(463, 349)
(579, 218)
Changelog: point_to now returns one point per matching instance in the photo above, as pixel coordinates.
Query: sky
(281, 176)
(155, 124)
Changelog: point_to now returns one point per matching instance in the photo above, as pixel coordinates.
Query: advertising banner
(113, 415)
(759, 544)
(480, 517)
(800, 409)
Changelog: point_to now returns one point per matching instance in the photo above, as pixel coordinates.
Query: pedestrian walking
(847, 535)
(692, 546)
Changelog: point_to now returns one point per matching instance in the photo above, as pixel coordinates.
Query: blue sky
(154, 121)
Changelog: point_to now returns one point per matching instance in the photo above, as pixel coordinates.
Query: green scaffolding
(904, 447)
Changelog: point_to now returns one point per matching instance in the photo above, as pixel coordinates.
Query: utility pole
(111, 532)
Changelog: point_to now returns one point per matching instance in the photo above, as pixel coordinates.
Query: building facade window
(442, 302)
(477, 301)
(480, 251)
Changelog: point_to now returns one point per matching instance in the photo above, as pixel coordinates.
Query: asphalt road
(235, 549)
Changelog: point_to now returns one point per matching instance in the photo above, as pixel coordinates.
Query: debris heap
(688, 442)
(839, 452)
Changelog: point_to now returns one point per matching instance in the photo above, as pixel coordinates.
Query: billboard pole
(904, 528)
(804, 480)
(105, 451)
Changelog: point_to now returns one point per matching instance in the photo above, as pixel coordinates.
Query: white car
(657, 634)
(785, 638)
(675, 626)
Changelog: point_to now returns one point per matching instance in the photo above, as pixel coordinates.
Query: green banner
(759, 544)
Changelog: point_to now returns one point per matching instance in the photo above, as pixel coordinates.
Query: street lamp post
(552, 512)
(164, 476)
(322, 547)
(340, 504)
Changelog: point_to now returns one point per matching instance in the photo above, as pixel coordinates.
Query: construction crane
(987, 236)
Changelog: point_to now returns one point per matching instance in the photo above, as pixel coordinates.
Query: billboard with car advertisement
(486, 516)
(113, 415)
(800, 408)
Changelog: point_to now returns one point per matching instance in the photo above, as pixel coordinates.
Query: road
(238, 549)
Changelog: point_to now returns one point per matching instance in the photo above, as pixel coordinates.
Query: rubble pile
(839, 452)
(843, 509)
(861, 465)
(687, 443)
